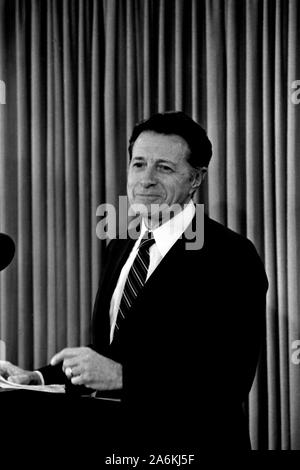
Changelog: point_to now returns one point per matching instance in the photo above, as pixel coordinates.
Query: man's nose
(148, 177)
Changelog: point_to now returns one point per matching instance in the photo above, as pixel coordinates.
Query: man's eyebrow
(159, 160)
(165, 160)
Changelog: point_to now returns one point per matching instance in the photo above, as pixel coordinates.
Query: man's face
(159, 172)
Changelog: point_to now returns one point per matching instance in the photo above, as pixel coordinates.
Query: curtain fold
(23, 150)
(277, 257)
(293, 216)
(78, 75)
(268, 88)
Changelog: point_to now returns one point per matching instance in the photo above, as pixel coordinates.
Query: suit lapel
(119, 255)
(120, 259)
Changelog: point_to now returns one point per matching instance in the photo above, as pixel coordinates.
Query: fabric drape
(78, 74)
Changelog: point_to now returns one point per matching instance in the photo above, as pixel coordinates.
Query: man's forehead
(155, 142)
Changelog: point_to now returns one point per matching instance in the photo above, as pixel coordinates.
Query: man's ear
(198, 176)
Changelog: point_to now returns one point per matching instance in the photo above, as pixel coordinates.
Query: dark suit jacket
(190, 345)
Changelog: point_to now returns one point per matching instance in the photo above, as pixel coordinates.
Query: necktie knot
(147, 241)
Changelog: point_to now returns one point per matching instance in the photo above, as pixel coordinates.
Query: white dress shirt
(165, 236)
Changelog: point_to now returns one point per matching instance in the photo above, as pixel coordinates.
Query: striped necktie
(135, 280)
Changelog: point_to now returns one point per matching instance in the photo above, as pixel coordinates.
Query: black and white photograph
(149, 231)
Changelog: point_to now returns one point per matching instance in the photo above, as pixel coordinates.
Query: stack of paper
(53, 388)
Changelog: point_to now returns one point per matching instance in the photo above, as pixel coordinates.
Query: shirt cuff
(41, 376)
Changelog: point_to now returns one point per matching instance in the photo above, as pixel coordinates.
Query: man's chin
(145, 209)
(157, 213)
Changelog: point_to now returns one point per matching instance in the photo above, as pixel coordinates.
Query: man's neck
(153, 221)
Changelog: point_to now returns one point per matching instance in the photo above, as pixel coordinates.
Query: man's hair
(178, 123)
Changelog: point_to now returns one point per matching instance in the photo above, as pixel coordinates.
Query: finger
(4, 367)
(19, 379)
(73, 371)
(72, 362)
(4, 363)
(69, 373)
(63, 354)
(76, 371)
(78, 380)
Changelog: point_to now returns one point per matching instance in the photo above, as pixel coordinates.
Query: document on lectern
(53, 388)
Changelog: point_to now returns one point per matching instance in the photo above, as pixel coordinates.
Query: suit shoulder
(218, 233)
(237, 249)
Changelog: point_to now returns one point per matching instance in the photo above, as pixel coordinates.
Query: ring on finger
(69, 372)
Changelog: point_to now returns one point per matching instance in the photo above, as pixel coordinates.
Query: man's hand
(89, 368)
(17, 375)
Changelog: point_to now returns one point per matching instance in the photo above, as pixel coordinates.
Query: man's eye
(165, 168)
(137, 164)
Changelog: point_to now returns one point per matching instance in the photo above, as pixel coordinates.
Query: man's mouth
(148, 196)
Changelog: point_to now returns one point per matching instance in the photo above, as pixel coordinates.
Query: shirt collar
(168, 233)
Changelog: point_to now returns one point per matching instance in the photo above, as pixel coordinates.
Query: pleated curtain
(78, 74)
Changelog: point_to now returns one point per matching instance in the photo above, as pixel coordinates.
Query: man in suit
(176, 331)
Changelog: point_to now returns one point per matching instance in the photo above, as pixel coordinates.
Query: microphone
(7, 250)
